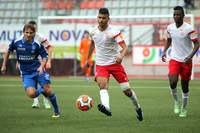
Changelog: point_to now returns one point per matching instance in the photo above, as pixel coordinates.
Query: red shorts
(176, 67)
(117, 71)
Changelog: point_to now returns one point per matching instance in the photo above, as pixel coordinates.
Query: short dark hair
(32, 22)
(86, 32)
(104, 11)
(29, 26)
(179, 8)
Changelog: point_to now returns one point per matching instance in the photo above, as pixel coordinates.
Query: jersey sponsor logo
(26, 57)
(108, 35)
(21, 49)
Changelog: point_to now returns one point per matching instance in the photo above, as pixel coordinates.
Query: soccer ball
(84, 102)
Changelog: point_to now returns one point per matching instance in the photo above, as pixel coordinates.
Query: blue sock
(53, 100)
(38, 91)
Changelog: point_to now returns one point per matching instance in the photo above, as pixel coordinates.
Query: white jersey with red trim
(182, 40)
(42, 40)
(106, 45)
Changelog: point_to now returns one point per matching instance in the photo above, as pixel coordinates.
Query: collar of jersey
(29, 42)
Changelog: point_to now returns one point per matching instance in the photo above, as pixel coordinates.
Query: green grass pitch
(17, 116)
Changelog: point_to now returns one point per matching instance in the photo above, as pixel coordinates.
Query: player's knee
(49, 91)
(128, 92)
(102, 85)
(173, 79)
(185, 89)
(173, 84)
(31, 92)
(126, 88)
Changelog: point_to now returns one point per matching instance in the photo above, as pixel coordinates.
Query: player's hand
(187, 60)
(48, 65)
(86, 64)
(3, 69)
(40, 69)
(164, 57)
(119, 59)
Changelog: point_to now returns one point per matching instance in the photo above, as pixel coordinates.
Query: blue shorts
(31, 80)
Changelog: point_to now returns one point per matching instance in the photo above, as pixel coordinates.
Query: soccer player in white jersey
(184, 41)
(105, 40)
(48, 47)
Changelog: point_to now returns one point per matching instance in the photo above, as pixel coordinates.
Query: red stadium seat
(65, 5)
(91, 4)
(49, 5)
(99, 4)
(70, 4)
(84, 5)
(62, 5)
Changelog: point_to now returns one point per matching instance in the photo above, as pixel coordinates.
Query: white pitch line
(86, 86)
(82, 80)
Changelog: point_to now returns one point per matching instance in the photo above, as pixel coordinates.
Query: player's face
(103, 20)
(87, 35)
(28, 35)
(35, 26)
(178, 16)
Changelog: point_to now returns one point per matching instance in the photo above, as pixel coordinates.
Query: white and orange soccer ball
(84, 102)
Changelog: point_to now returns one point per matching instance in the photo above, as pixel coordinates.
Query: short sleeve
(192, 34)
(118, 37)
(168, 33)
(43, 41)
(11, 46)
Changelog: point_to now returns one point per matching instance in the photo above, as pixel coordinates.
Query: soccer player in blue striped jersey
(32, 70)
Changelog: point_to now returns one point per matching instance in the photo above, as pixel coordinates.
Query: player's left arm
(194, 39)
(123, 52)
(119, 39)
(196, 47)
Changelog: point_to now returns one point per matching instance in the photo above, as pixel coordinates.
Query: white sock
(45, 99)
(175, 94)
(135, 100)
(36, 100)
(104, 98)
(185, 97)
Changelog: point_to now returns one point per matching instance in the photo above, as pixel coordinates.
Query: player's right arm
(169, 41)
(11, 47)
(3, 67)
